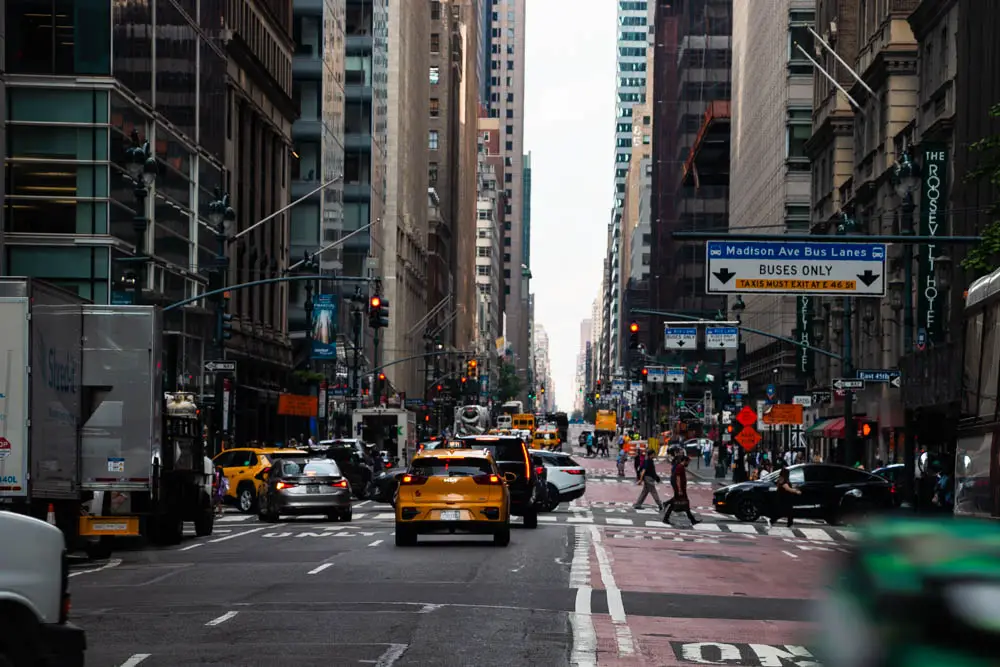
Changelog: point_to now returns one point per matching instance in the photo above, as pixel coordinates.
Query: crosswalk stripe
(547, 517)
(234, 518)
(618, 522)
(816, 534)
(385, 515)
(655, 524)
(361, 515)
(709, 527)
(848, 534)
(742, 528)
(777, 531)
(580, 519)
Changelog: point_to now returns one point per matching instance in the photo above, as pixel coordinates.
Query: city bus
(977, 455)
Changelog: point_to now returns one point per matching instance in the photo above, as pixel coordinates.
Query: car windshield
(451, 467)
(302, 467)
(341, 450)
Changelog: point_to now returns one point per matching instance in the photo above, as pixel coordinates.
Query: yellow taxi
(449, 491)
(545, 440)
(243, 467)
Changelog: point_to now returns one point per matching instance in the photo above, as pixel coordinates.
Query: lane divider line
(222, 619)
(789, 554)
(375, 543)
(319, 569)
(616, 607)
(584, 652)
(135, 659)
(192, 546)
(114, 562)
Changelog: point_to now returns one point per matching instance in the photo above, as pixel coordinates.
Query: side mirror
(509, 477)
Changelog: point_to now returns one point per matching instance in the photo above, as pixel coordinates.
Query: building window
(508, 178)
(435, 42)
(506, 241)
(798, 135)
(483, 251)
(49, 37)
(483, 270)
(435, 107)
(510, 129)
(435, 10)
(432, 140)
(435, 74)
(510, 64)
(432, 174)
(509, 145)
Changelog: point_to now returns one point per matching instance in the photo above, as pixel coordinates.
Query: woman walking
(786, 494)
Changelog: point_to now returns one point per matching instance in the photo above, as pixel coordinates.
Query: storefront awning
(816, 430)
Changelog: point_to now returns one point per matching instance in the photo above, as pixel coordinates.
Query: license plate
(451, 515)
(312, 489)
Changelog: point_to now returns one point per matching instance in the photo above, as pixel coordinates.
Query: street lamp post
(142, 170)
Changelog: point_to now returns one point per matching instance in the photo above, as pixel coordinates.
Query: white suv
(567, 479)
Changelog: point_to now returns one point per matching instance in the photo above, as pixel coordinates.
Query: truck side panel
(122, 383)
(14, 355)
(56, 332)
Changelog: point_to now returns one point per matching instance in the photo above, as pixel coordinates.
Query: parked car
(566, 479)
(829, 492)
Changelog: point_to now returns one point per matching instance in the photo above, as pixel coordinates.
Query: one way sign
(220, 367)
(891, 376)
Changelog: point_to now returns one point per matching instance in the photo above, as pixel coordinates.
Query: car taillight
(527, 462)
(576, 471)
(342, 483)
(413, 479)
(283, 485)
(388, 464)
(539, 470)
(486, 479)
(892, 489)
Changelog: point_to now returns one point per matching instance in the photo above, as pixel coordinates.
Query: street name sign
(681, 338)
(804, 401)
(675, 374)
(891, 376)
(722, 338)
(845, 384)
(220, 366)
(822, 268)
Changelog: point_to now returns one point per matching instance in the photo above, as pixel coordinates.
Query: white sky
(569, 124)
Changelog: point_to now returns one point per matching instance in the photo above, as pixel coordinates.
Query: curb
(712, 479)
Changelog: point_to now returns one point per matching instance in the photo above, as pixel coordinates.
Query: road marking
(320, 568)
(375, 543)
(234, 518)
(618, 522)
(616, 607)
(710, 527)
(385, 515)
(362, 503)
(135, 659)
(742, 528)
(789, 554)
(584, 637)
(229, 537)
(391, 655)
(355, 517)
(816, 534)
(222, 619)
(848, 534)
(114, 562)
(580, 519)
(192, 546)
(780, 532)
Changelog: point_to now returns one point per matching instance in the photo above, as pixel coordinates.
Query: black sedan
(385, 485)
(829, 492)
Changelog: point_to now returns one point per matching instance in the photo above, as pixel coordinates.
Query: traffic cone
(51, 517)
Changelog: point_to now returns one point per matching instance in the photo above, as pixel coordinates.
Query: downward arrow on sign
(868, 277)
(724, 275)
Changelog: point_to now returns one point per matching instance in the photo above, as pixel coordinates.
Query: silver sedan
(305, 486)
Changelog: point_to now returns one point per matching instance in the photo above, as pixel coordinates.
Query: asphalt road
(597, 583)
(308, 592)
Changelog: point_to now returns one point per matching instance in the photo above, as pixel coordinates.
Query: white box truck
(393, 430)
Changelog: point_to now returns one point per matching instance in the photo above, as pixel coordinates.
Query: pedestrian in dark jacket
(678, 481)
(648, 479)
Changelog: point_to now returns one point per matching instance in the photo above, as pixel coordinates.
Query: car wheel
(246, 498)
(553, 498)
(204, 523)
(405, 537)
(531, 519)
(346, 515)
(501, 537)
(746, 510)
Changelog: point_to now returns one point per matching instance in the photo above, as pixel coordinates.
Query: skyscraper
(506, 103)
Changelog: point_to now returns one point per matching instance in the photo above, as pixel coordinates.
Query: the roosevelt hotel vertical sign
(933, 216)
(803, 319)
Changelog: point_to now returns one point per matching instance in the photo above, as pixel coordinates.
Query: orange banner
(783, 413)
(294, 405)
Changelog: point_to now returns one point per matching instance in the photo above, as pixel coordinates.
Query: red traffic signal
(375, 302)
(634, 327)
(381, 376)
(463, 380)
(645, 371)
(439, 387)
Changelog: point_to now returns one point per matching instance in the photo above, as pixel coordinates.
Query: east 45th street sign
(825, 268)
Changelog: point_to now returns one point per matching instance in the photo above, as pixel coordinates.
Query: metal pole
(909, 444)
(141, 225)
(355, 367)
(849, 426)
(285, 208)
(830, 78)
(377, 389)
(266, 281)
(739, 473)
(329, 247)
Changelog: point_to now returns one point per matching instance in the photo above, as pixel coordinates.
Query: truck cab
(34, 596)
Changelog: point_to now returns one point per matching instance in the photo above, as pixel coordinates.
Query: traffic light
(542, 389)
(225, 331)
(378, 313)
(464, 380)
(645, 374)
(867, 428)
(472, 369)
(633, 337)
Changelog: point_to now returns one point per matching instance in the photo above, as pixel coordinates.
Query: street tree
(510, 384)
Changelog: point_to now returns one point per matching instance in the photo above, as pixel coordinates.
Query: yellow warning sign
(796, 285)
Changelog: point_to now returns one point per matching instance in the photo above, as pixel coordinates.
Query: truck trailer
(393, 430)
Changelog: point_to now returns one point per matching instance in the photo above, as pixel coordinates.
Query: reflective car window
(441, 467)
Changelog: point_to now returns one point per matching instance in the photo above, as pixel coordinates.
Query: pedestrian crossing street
(595, 479)
(573, 514)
